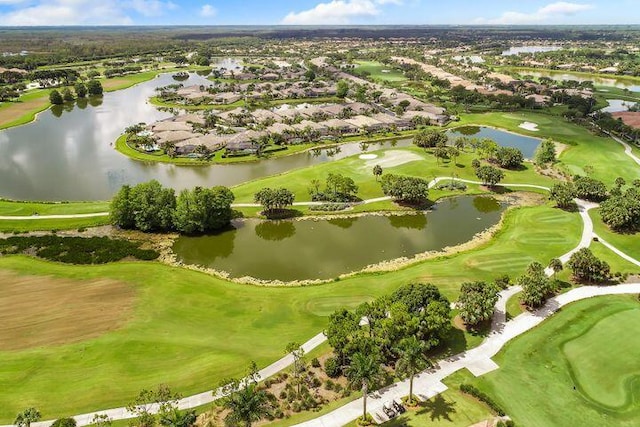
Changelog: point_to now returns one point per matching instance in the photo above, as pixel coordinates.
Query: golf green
(579, 368)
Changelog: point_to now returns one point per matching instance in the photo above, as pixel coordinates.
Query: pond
(517, 50)
(527, 145)
(323, 249)
(598, 81)
(67, 153)
(617, 105)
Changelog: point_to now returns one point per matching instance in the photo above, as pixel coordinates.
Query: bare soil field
(38, 311)
(629, 118)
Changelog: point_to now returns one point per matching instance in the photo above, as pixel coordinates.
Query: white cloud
(83, 12)
(337, 12)
(547, 14)
(208, 11)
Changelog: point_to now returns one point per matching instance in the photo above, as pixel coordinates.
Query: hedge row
(76, 250)
(471, 390)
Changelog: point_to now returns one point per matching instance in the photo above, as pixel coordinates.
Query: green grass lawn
(380, 72)
(190, 330)
(626, 242)
(585, 148)
(22, 226)
(617, 263)
(422, 164)
(513, 306)
(11, 208)
(577, 368)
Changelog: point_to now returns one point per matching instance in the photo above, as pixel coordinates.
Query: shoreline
(516, 200)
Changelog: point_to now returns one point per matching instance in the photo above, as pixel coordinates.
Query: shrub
(503, 281)
(316, 382)
(473, 391)
(332, 367)
(329, 207)
(64, 422)
(590, 189)
(330, 384)
(76, 250)
(315, 362)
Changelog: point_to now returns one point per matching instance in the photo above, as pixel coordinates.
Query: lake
(68, 153)
(322, 249)
(527, 145)
(517, 50)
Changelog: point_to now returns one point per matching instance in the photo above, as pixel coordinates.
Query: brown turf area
(38, 311)
(13, 111)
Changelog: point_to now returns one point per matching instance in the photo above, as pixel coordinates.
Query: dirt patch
(393, 158)
(38, 311)
(532, 127)
(629, 118)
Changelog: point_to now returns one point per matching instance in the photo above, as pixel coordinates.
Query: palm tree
(556, 265)
(377, 171)
(412, 360)
(364, 369)
(247, 405)
(26, 417)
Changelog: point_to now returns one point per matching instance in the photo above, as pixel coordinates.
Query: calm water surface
(598, 81)
(527, 145)
(308, 249)
(516, 50)
(67, 154)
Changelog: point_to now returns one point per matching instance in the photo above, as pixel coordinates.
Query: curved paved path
(257, 205)
(70, 216)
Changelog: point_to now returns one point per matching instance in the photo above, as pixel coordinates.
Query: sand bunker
(393, 158)
(38, 311)
(533, 127)
(368, 156)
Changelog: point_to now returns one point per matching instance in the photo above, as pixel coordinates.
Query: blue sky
(265, 12)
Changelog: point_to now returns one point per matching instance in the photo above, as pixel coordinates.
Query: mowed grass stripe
(536, 381)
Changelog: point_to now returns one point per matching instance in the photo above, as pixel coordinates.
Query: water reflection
(328, 248)
(275, 230)
(486, 204)
(527, 145)
(68, 153)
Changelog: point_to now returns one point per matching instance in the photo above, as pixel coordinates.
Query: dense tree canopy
(563, 194)
(405, 189)
(203, 210)
(477, 301)
(588, 188)
(55, 97)
(536, 286)
(545, 153)
(150, 207)
(509, 157)
(418, 310)
(94, 87)
(429, 138)
(489, 175)
(621, 212)
(586, 267)
(274, 199)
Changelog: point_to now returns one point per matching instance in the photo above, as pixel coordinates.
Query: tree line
(150, 207)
